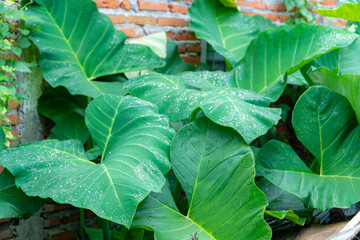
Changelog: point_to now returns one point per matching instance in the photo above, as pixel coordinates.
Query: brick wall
(137, 18)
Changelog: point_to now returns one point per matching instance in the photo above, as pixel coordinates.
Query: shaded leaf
(216, 170)
(129, 169)
(78, 44)
(326, 125)
(245, 111)
(288, 215)
(70, 127)
(13, 201)
(2, 138)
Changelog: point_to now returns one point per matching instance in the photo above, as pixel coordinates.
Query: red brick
(14, 132)
(339, 23)
(76, 217)
(241, 2)
(51, 222)
(5, 234)
(107, 3)
(194, 48)
(129, 32)
(186, 36)
(56, 207)
(141, 20)
(170, 35)
(181, 48)
(256, 4)
(125, 4)
(191, 59)
(1, 169)
(175, 22)
(283, 18)
(152, 6)
(276, 7)
(13, 105)
(329, 2)
(64, 236)
(117, 19)
(178, 9)
(4, 219)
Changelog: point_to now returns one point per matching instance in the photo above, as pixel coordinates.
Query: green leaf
(344, 59)
(2, 138)
(285, 50)
(70, 127)
(13, 201)
(227, 30)
(326, 125)
(229, 3)
(58, 103)
(288, 215)
(216, 170)
(174, 63)
(346, 9)
(156, 42)
(78, 44)
(245, 111)
(347, 85)
(129, 170)
(24, 42)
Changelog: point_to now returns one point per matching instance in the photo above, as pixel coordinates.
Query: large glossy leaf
(216, 170)
(13, 201)
(346, 9)
(77, 44)
(227, 30)
(134, 140)
(346, 59)
(326, 124)
(285, 50)
(347, 85)
(242, 110)
(229, 3)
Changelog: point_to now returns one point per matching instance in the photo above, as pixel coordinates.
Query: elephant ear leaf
(245, 111)
(227, 30)
(134, 141)
(13, 201)
(348, 85)
(346, 9)
(326, 124)
(277, 52)
(216, 170)
(78, 44)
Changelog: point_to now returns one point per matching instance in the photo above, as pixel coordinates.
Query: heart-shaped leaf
(13, 201)
(242, 110)
(216, 170)
(346, 9)
(134, 140)
(326, 124)
(285, 50)
(78, 44)
(227, 30)
(347, 85)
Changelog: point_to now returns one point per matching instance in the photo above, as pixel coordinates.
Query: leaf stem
(82, 224)
(105, 225)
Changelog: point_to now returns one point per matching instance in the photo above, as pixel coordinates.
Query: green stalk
(90, 140)
(82, 224)
(105, 225)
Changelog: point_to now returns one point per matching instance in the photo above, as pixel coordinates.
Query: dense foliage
(116, 137)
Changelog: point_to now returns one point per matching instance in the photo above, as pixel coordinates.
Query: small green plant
(302, 9)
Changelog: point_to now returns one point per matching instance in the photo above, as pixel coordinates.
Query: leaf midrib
(69, 45)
